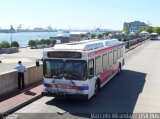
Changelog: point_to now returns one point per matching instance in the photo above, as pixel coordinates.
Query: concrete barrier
(9, 50)
(8, 80)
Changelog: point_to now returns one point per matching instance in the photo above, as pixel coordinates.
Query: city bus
(154, 36)
(81, 69)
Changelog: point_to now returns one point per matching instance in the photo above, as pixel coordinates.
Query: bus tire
(97, 87)
(119, 68)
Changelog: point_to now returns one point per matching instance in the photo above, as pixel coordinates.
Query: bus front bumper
(74, 96)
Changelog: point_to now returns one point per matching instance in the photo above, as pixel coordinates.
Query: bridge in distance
(136, 89)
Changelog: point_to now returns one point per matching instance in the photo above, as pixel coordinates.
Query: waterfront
(23, 37)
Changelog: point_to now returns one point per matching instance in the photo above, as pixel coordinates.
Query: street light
(11, 38)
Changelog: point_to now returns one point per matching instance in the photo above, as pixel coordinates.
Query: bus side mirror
(37, 63)
(91, 71)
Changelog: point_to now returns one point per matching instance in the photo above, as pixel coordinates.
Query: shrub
(32, 43)
(100, 35)
(14, 44)
(53, 42)
(93, 35)
(5, 44)
(48, 41)
(43, 41)
(37, 42)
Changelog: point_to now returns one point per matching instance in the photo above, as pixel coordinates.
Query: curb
(21, 105)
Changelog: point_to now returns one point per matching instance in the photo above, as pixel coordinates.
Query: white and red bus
(81, 69)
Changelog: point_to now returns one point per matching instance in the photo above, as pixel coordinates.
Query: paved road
(26, 55)
(136, 89)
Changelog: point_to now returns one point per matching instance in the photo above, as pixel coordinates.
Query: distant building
(134, 26)
(70, 37)
(61, 38)
(78, 36)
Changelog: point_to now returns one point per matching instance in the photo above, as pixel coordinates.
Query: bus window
(91, 69)
(75, 70)
(98, 65)
(119, 53)
(53, 69)
(110, 55)
(122, 52)
(115, 56)
(105, 61)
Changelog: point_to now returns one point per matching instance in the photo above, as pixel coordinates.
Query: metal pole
(11, 37)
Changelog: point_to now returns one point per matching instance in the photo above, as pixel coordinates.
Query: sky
(80, 14)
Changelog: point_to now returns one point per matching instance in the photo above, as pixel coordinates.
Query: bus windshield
(75, 69)
(53, 68)
(69, 69)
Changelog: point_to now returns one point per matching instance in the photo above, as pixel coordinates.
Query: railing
(135, 41)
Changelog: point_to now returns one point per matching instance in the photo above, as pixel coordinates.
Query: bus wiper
(72, 82)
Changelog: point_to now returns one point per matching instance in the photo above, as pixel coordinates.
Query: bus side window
(110, 58)
(115, 56)
(122, 52)
(119, 53)
(105, 61)
(98, 65)
(91, 68)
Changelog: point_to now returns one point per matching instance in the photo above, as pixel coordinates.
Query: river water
(23, 37)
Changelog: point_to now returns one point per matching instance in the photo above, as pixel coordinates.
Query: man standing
(21, 69)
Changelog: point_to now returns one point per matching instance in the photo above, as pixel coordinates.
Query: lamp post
(11, 38)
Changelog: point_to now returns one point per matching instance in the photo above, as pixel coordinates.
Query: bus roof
(87, 45)
(154, 33)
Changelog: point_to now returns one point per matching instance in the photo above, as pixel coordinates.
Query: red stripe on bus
(106, 74)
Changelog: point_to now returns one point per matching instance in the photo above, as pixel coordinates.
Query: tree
(141, 29)
(48, 41)
(126, 30)
(32, 43)
(53, 42)
(149, 29)
(14, 44)
(37, 42)
(5, 44)
(43, 41)
(156, 30)
(93, 35)
(100, 35)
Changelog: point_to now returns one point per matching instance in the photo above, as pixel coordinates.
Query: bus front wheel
(119, 68)
(97, 87)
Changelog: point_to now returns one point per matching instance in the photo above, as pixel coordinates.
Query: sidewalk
(19, 98)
